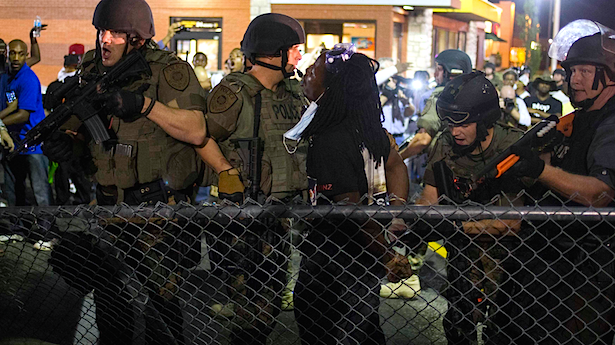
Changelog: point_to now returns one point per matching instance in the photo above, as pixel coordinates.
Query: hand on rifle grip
(529, 163)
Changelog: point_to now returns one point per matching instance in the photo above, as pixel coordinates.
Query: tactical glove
(124, 104)
(529, 164)
(58, 147)
(230, 186)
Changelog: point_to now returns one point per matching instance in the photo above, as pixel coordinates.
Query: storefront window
(202, 35)
(328, 33)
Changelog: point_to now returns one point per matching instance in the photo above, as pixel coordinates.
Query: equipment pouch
(125, 172)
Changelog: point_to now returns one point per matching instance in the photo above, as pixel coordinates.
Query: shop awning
(492, 36)
(414, 3)
(472, 10)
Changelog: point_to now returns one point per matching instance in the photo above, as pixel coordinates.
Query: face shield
(576, 30)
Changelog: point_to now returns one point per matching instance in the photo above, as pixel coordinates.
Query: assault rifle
(251, 153)
(542, 136)
(132, 65)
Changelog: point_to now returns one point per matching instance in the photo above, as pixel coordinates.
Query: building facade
(407, 30)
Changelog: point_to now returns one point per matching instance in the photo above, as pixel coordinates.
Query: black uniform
(564, 287)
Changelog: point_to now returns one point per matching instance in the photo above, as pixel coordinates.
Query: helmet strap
(589, 102)
(481, 135)
(284, 53)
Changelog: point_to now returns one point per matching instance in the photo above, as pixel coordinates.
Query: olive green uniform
(429, 119)
(145, 164)
(144, 152)
(231, 113)
(474, 268)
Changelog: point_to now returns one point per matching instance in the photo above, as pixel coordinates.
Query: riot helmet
(272, 34)
(454, 62)
(133, 17)
(585, 42)
(470, 98)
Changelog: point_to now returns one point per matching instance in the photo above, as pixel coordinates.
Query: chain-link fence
(226, 274)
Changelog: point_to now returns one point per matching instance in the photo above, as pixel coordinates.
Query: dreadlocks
(352, 99)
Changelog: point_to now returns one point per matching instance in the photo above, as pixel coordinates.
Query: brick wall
(383, 15)
(70, 22)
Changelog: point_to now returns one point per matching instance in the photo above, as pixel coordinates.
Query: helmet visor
(576, 30)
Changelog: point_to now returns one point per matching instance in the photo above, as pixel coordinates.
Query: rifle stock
(131, 65)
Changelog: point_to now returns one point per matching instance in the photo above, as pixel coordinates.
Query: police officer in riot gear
(257, 108)
(577, 272)
(155, 121)
(449, 64)
(469, 106)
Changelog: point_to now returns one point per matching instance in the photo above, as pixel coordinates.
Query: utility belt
(149, 193)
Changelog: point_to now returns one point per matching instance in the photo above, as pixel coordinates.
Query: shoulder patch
(221, 100)
(177, 75)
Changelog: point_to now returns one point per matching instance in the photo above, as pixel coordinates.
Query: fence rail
(224, 274)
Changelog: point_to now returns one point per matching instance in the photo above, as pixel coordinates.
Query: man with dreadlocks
(349, 157)
(257, 108)
(469, 105)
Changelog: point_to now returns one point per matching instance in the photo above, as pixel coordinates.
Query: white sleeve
(524, 115)
(383, 75)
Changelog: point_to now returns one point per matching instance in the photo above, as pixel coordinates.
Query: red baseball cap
(76, 49)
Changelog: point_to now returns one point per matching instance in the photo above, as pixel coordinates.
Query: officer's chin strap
(481, 135)
(284, 54)
(588, 103)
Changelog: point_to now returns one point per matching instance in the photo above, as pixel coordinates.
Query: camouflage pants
(254, 262)
(474, 274)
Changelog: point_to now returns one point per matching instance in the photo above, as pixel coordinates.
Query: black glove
(58, 147)
(529, 164)
(124, 104)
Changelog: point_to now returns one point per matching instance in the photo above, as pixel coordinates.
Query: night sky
(602, 11)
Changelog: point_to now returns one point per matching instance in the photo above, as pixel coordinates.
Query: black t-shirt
(549, 105)
(334, 165)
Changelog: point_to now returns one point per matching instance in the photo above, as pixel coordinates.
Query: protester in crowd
(511, 78)
(559, 77)
(74, 170)
(156, 121)
(514, 110)
(542, 104)
(396, 107)
(564, 291)
(420, 91)
(469, 105)
(24, 88)
(173, 29)
(71, 61)
(35, 51)
(199, 61)
(491, 76)
(349, 158)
